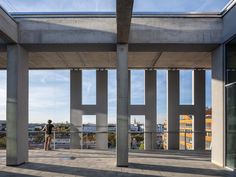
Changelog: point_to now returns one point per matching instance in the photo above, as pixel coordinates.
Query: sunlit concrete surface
(94, 163)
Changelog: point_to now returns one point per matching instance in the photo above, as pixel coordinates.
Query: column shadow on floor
(4, 174)
(183, 170)
(86, 172)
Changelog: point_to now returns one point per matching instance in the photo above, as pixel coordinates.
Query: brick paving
(95, 163)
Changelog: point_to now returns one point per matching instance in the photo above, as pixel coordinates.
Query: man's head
(49, 121)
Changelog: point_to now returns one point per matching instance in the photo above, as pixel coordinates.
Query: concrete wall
(218, 99)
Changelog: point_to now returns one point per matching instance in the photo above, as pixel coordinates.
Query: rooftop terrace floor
(95, 163)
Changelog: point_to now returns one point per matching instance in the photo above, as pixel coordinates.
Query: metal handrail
(231, 84)
(111, 131)
(130, 133)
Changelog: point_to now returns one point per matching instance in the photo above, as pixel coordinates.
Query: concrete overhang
(136, 60)
(64, 43)
(8, 27)
(100, 34)
(90, 42)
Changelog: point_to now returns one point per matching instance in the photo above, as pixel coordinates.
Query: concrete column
(122, 105)
(75, 112)
(173, 112)
(199, 110)
(150, 110)
(17, 105)
(129, 107)
(101, 116)
(218, 116)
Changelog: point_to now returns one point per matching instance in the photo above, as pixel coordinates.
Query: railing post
(185, 140)
(87, 140)
(54, 139)
(82, 140)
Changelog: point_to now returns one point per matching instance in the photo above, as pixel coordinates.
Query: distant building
(89, 128)
(3, 125)
(111, 127)
(186, 131)
(160, 138)
(35, 127)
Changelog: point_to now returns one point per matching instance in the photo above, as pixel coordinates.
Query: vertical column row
(148, 110)
(78, 110)
(175, 110)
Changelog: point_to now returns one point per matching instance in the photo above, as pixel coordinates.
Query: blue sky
(49, 93)
(109, 5)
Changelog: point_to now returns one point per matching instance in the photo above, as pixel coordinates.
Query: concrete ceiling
(66, 60)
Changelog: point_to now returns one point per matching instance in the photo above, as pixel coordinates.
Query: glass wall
(231, 104)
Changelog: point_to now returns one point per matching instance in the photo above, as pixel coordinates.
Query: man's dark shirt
(49, 129)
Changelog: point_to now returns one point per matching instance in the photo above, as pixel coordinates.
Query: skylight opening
(109, 6)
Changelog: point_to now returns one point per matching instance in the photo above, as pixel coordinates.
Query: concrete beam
(61, 31)
(176, 30)
(8, 28)
(124, 10)
(139, 60)
(154, 33)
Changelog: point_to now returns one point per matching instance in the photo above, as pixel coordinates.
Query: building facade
(123, 41)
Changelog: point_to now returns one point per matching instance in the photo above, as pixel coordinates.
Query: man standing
(48, 135)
